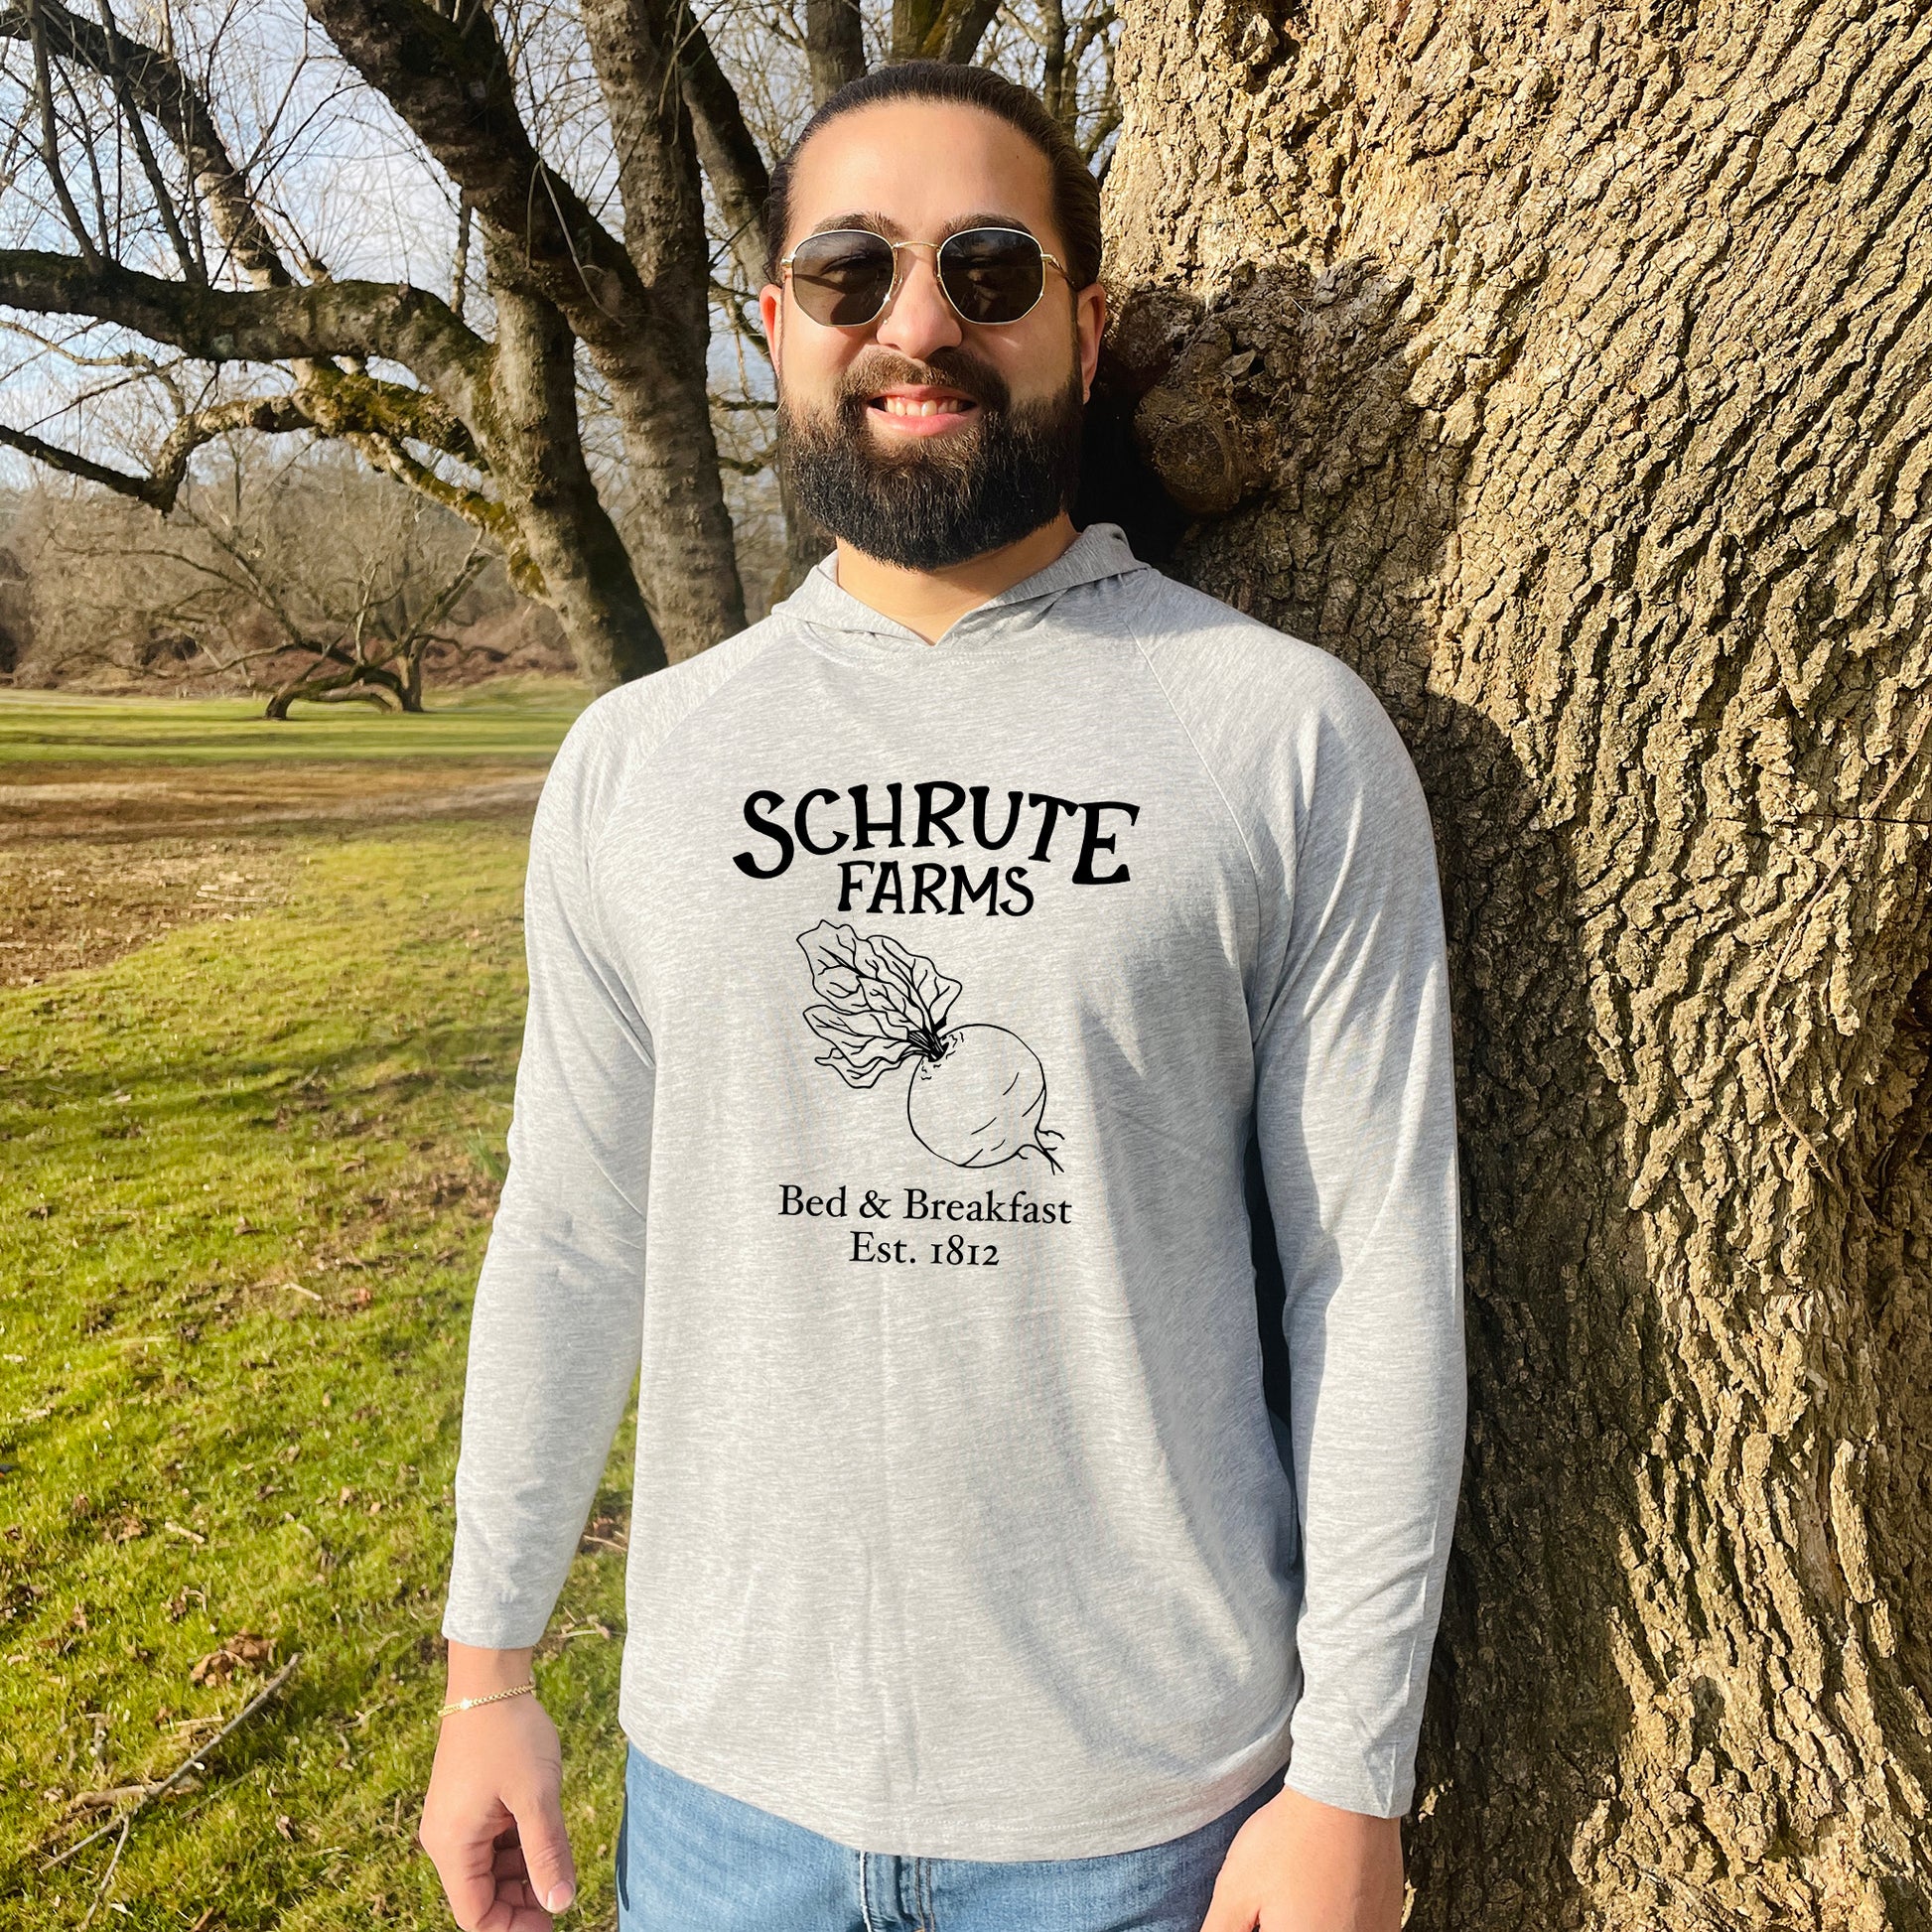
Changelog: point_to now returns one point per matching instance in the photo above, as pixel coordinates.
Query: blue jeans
(692, 1859)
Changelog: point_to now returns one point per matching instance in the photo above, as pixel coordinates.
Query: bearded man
(908, 976)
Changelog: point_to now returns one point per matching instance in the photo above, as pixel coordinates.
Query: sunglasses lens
(991, 275)
(841, 278)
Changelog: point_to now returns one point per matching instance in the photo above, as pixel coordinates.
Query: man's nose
(921, 318)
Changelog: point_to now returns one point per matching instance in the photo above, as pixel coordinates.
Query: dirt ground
(97, 860)
(54, 800)
(79, 903)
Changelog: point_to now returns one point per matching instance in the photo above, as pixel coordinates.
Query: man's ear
(771, 311)
(1090, 319)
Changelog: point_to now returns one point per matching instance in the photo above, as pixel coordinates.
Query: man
(907, 975)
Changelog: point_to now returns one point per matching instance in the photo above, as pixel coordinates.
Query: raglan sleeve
(557, 1327)
(1355, 1119)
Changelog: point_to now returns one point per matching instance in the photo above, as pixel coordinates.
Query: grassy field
(246, 1173)
(513, 719)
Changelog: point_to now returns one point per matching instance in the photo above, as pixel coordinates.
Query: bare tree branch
(193, 267)
(388, 319)
(105, 227)
(156, 84)
(145, 489)
(459, 266)
(272, 416)
(451, 82)
(50, 134)
(736, 170)
(482, 513)
(1057, 70)
(125, 358)
(961, 27)
(351, 403)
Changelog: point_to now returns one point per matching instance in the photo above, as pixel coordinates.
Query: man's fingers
(1230, 1910)
(1228, 1918)
(546, 1850)
(466, 1864)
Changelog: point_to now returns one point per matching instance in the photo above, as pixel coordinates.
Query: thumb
(546, 1848)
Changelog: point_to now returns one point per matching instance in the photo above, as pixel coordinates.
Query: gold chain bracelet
(466, 1704)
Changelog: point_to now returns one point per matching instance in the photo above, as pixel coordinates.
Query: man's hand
(492, 1819)
(1299, 1865)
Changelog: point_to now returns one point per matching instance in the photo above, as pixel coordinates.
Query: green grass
(309, 1098)
(511, 719)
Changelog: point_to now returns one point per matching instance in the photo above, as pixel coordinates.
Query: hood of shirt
(1094, 568)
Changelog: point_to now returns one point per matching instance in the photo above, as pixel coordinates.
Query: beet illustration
(977, 1092)
(980, 1102)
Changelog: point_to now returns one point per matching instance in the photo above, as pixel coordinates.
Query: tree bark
(939, 30)
(1567, 372)
(537, 457)
(632, 47)
(727, 152)
(835, 46)
(741, 182)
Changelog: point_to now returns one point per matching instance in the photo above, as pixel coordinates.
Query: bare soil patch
(68, 903)
(98, 859)
(76, 800)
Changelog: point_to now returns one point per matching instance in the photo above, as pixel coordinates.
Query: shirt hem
(1130, 1824)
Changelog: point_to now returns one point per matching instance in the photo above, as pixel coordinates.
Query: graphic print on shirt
(977, 1092)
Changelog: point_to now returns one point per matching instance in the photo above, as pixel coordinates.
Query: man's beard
(938, 499)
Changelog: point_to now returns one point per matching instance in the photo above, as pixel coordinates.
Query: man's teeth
(904, 407)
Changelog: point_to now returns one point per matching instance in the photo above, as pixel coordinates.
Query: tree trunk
(537, 455)
(452, 82)
(834, 45)
(683, 535)
(1565, 372)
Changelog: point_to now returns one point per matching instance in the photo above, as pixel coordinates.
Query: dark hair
(1076, 195)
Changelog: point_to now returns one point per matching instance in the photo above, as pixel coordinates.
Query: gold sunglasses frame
(1047, 258)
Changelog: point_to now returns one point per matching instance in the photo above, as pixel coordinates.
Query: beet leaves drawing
(977, 1092)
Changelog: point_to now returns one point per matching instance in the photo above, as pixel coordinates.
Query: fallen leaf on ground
(243, 1651)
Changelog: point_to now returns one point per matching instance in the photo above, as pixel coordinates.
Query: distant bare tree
(305, 580)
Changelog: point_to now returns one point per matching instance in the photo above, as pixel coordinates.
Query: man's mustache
(985, 385)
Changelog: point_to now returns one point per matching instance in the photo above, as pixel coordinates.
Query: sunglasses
(845, 277)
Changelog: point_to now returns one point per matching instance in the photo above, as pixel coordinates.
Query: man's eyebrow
(985, 218)
(857, 218)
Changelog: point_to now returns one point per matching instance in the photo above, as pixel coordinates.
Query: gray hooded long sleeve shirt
(898, 1016)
